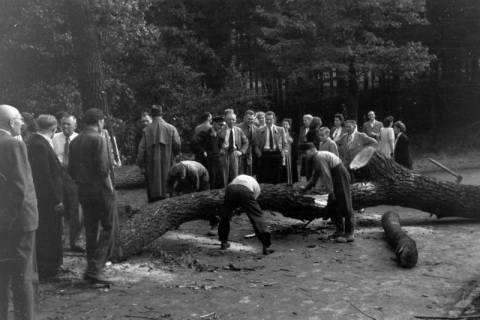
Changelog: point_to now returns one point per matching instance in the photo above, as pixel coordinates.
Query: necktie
(65, 151)
(271, 138)
(230, 141)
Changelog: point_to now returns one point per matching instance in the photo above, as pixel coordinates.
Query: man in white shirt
(61, 144)
(242, 193)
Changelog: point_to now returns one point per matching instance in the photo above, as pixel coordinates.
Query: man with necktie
(248, 127)
(61, 146)
(270, 148)
(234, 145)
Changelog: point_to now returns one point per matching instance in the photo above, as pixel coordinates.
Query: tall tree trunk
(88, 60)
(352, 92)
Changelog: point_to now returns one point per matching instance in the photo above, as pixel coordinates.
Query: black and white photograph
(239, 159)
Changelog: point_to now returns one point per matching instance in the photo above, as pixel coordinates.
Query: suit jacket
(241, 140)
(349, 149)
(302, 136)
(251, 134)
(401, 151)
(279, 139)
(47, 172)
(368, 129)
(18, 209)
(89, 162)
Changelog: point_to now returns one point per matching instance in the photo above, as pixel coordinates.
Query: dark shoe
(336, 234)
(76, 248)
(225, 245)
(97, 279)
(267, 251)
(345, 239)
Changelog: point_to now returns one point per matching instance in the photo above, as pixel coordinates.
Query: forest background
(418, 60)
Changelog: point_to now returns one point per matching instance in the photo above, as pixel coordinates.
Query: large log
(388, 184)
(129, 177)
(156, 218)
(392, 184)
(405, 247)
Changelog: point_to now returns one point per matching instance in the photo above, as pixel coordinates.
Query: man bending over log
(336, 179)
(187, 177)
(242, 193)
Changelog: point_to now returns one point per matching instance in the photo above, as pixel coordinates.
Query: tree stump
(405, 247)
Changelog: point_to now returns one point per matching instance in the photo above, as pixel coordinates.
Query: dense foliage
(415, 59)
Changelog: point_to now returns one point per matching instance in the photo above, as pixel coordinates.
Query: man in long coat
(47, 177)
(18, 220)
(157, 150)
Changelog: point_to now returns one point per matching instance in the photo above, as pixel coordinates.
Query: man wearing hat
(329, 168)
(157, 150)
(47, 177)
(89, 166)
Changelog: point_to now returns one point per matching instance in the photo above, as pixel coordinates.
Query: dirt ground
(183, 275)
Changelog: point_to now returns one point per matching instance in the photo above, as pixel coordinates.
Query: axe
(453, 173)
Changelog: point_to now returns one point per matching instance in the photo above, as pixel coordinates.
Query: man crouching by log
(187, 177)
(242, 193)
(329, 168)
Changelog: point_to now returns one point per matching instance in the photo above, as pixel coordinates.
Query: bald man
(18, 219)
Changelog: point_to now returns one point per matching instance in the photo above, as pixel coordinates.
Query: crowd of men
(57, 173)
(237, 156)
(44, 178)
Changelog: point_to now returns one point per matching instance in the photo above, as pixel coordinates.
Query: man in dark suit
(18, 220)
(210, 143)
(302, 138)
(250, 130)
(270, 148)
(89, 166)
(47, 177)
(234, 145)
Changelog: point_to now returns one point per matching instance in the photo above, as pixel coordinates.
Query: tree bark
(405, 247)
(388, 184)
(156, 218)
(392, 184)
(129, 177)
(87, 56)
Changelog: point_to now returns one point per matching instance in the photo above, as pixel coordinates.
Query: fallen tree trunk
(156, 218)
(129, 177)
(389, 184)
(405, 247)
(392, 184)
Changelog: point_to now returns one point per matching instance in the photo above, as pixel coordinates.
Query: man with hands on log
(336, 179)
(242, 193)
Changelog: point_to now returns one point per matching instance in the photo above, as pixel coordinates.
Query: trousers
(72, 209)
(18, 269)
(240, 196)
(99, 209)
(342, 205)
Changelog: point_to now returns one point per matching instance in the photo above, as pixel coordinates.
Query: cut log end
(405, 247)
(362, 158)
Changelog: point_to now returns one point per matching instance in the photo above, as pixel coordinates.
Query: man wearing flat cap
(157, 150)
(47, 177)
(89, 166)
